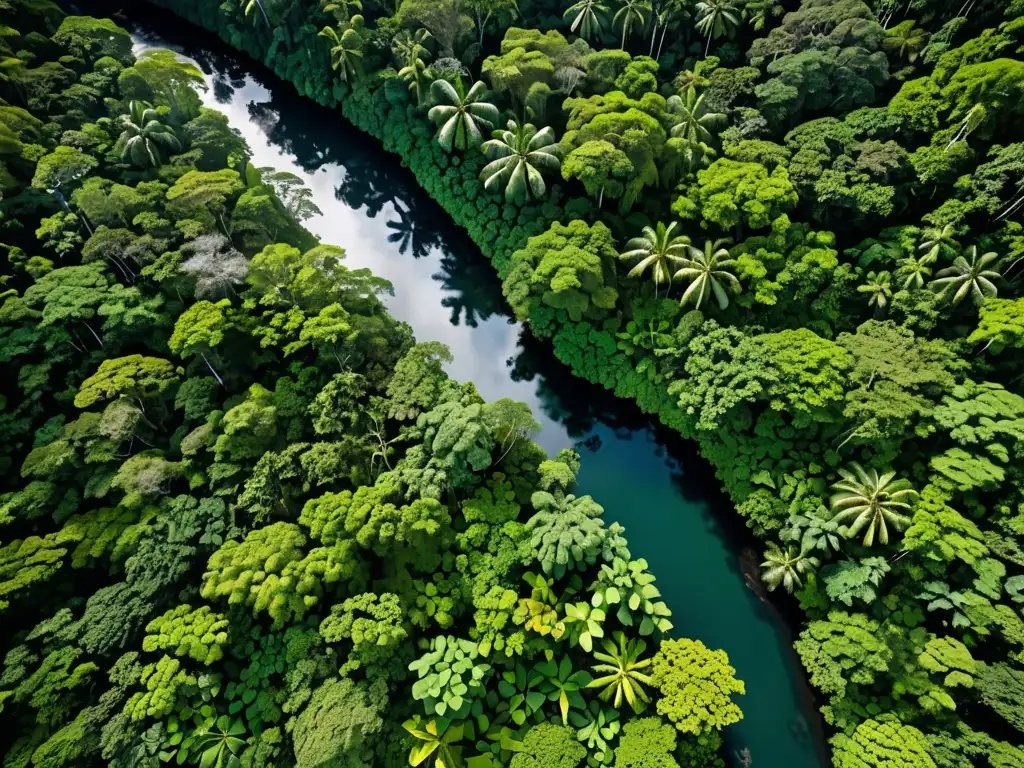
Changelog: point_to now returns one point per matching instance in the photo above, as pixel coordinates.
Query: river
(653, 483)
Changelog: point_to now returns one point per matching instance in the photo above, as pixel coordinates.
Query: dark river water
(657, 487)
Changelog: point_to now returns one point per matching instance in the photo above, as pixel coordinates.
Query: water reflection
(653, 483)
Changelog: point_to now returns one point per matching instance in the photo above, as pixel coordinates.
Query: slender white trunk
(93, 333)
(661, 43)
(216, 375)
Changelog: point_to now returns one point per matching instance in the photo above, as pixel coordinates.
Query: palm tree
(518, 157)
(415, 72)
(879, 290)
(143, 135)
(914, 271)
(695, 123)
(588, 16)
(717, 18)
(462, 117)
(905, 40)
(631, 12)
(938, 241)
(403, 43)
(659, 250)
(784, 566)
(708, 273)
(346, 51)
(974, 278)
(621, 669)
(865, 499)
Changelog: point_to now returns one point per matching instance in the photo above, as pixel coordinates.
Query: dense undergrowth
(835, 190)
(245, 519)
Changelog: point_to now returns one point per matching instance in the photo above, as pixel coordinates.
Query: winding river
(656, 486)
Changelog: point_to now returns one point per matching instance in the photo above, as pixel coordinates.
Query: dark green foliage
(853, 142)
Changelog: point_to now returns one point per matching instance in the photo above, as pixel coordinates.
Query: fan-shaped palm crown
(657, 249)
(143, 135)
(716, 18)
(938, 240)
(865, 500)
(879, 290)
(914, 270)
(587, 18)
(621, 676)
(462, 117)
(708, 273)
(519, 156)
(695, 121)
(976, 278)
(784, 566)
(630, 13)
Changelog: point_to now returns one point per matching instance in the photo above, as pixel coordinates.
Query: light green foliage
(646, 743)
(418, 382)
(730, 194)
(582, 623)
(566, 533)
(199, 634)
(537, 612)
(854, 580)
(811, 372)
(628, 587)
(135, 376)
(26, 562)
(842, 649)
(373, 624)
(268, 571)
(549, 746)
(877, 744)
(162, 681)
(696, 686)
(1000, 325)
(940, 534)
(450, 676)
(569, 267)
(249, 428)
(91, 39)
(339, 726)
(456, 439)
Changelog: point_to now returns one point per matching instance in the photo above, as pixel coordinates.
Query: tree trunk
(93, 333)
(216, 375)
(654, 34)
(661, 43)
(707, 48)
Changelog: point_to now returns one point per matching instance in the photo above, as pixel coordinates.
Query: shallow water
(653, 483)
